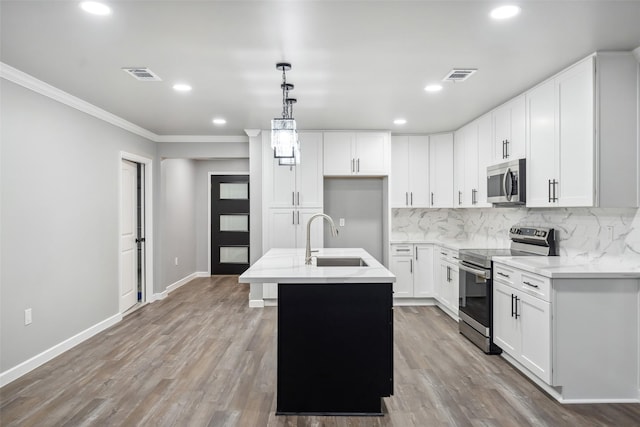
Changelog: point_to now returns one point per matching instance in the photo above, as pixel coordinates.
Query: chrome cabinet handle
(502, 274)
(293, 197)
(410, 266)
(406, 198)
(459, 197)
(298, 198)
(298, 217)
(353, 167)
(358, 165)
(549, 190)
(412, 198)
(474, 199)
(293, 217)
(506, 148)
(530, 284)
(431, 198)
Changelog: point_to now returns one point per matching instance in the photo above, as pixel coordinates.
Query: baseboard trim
(413, 302)
(175, 285)
(256, 303)
(29, 365)
(202, 274)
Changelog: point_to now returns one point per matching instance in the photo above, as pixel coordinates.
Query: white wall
(178, 232)
(59, 220)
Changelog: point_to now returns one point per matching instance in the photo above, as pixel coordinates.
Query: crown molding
(252, 133)
(27, 81)
(201, 138)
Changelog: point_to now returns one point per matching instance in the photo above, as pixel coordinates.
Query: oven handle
(485, 274)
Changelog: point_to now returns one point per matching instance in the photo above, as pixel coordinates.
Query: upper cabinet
(296, 186)
(440, 170)
(356, 153)
(582, 135)
(410, 171)
(509, 130)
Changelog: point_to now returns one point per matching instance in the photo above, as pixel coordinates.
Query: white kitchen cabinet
(459, 147)
(581, 143)
(410, 171)
(412, 265)
(485, 158)
(286, 228)
(295, 186)
(522, 319)
(466, 166)
(441, 170)
(447, 283)
(356, 153)
(509, 130)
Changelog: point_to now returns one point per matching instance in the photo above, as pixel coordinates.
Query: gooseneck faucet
(334, 233)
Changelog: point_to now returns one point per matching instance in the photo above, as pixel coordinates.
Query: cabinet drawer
(538, 286)
(505, 274)
(401, 250)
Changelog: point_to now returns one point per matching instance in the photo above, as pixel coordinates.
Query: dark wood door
(229, 224)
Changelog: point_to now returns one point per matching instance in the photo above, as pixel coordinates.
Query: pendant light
(284, 136)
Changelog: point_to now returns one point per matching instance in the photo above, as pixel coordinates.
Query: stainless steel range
(476, 282)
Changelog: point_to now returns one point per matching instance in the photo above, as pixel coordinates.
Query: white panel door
(535, 326)
(128, 233)
(338, 159)
(282, 228)
(576, 110)
(370, 153)
(309, 182)
(459, 144)
(282, 185)
(505, 328)
(400, 171)
(469, 197)
(423, 272)
(542, 145)
(402, 267)
(485, 158)
(441, 170)
(419, 171)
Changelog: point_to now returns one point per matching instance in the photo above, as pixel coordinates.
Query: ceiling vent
(143, 74)
(459, 74)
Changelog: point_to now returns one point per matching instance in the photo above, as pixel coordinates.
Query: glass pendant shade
(284, 138)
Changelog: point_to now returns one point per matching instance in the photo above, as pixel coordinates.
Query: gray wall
(178, 232)
(360, 202)
(203, 168)
(59, 220)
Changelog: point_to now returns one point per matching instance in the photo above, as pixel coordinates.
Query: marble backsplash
(589, 233)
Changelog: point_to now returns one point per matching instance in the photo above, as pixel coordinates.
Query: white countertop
(287, 266)
(558, 267)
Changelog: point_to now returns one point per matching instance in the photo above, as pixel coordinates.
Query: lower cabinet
(412, 265)
(522, 328)
(447, 283)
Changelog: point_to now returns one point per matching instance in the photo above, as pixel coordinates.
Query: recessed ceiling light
(95, 8)
(219, 121)
(400, 121)
(433, 88)
(181, 87)
(505, 12)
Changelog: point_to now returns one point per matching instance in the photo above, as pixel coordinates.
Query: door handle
(459, 197)
(431, 198)
(549, 190)
(506, 148)
(353, 165)
(406, 198)
(140, 240)
(358, 165)
(298, 217)
(516, 307)
(410, 266)
(530, 284)
(293, 217)
(512, 305)
(412, 198)
(504, 155)
(293, 198)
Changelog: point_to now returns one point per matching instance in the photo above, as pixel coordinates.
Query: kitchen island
(335, 330)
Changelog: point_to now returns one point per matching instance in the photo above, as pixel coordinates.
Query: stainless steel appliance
(506, 183)
(476, 281)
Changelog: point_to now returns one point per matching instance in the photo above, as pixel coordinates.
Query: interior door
(229, 224)
(128, 234)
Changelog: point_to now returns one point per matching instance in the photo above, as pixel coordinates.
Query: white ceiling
(356, 64)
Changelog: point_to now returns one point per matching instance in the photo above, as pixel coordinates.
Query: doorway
(136, 262)
(229, 224)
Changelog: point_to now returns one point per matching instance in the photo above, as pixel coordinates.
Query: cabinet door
(542, 147)
(281, 230)
(423, 272)
(469, 196)
(419, 171)
(443, 289)
(441, 170)
(454, 302)
(535, 329)
(402, 267)
(309, 181)
(576, 135)
(459, 143)
(516, 149)
(485, 158)
(278, 182)
(501, 132)
(509, 125)
(399, 171)
(317, 229)
(371, 153)
(338, 159)
(505, 327)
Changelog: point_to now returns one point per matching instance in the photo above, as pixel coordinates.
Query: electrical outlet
(341, 222)
(176, 261)
(27, 317)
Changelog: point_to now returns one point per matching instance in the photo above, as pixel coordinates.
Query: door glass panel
(234, 190)
(234, 222)
(234, 254)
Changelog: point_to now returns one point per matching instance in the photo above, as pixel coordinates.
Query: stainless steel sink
(340, 262)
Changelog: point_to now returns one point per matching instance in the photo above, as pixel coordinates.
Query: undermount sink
(340, 262)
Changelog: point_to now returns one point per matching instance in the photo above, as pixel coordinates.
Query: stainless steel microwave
(506, 183)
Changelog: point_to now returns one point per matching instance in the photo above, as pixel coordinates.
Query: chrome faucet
(334, 233)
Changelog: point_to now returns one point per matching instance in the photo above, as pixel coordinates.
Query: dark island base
(335, 348)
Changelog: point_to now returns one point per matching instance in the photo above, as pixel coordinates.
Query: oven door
(475, 304)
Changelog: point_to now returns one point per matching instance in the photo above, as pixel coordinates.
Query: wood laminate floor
(202, 357)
